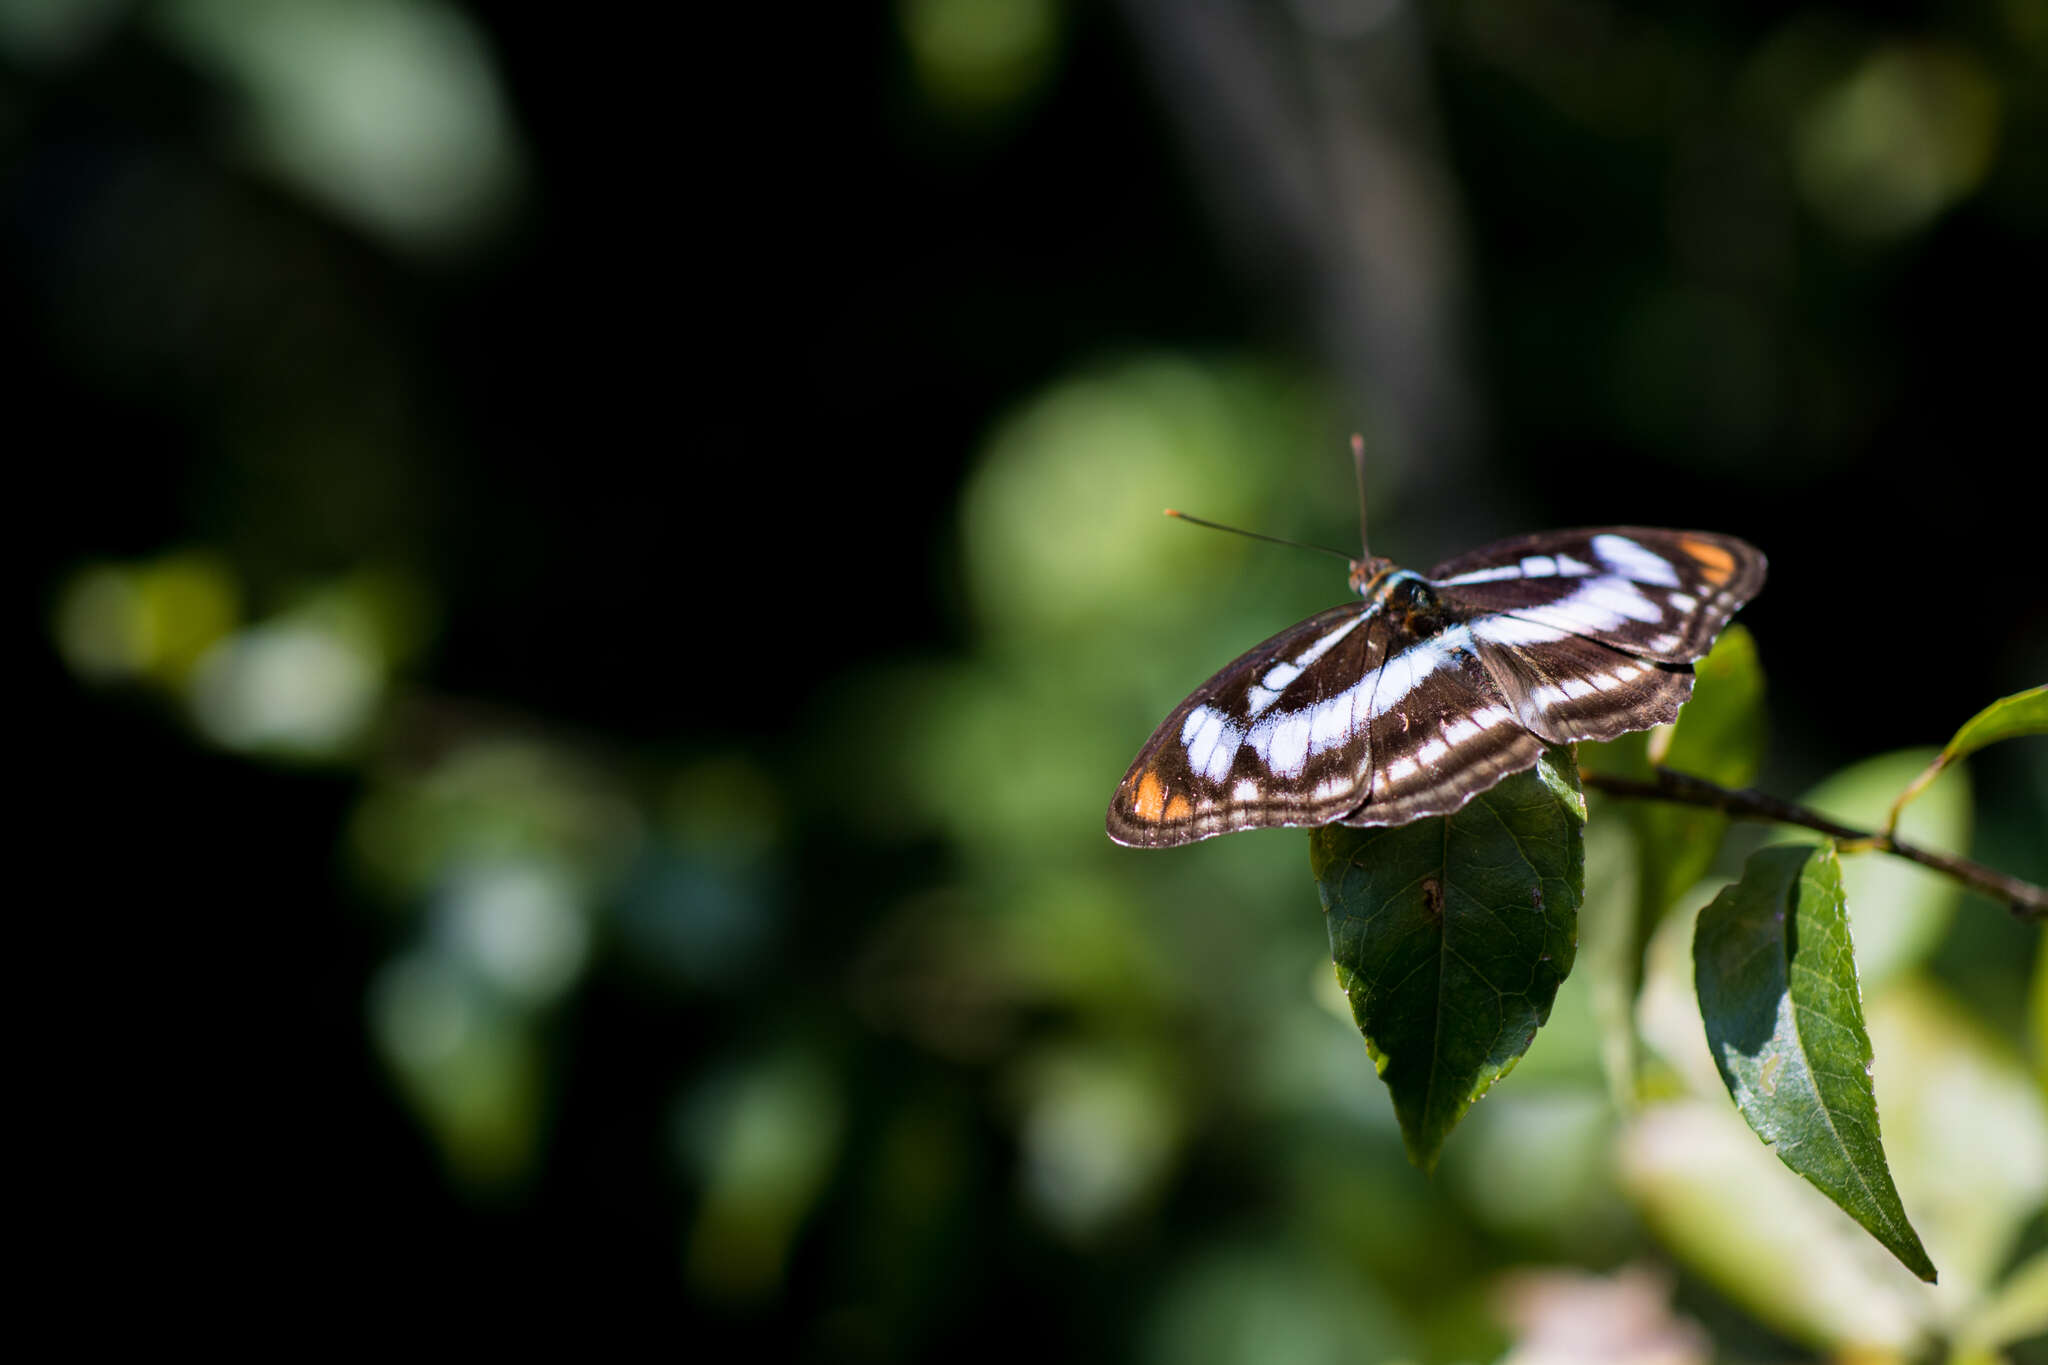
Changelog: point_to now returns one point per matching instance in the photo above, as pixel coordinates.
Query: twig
(2027, 900)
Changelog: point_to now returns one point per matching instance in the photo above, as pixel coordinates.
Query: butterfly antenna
(1358, 468)
(1271, 540)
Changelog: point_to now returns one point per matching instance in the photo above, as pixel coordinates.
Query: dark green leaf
(1784, 1018)
(1452, 935)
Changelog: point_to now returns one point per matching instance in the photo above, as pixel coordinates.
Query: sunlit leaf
(1451, 936)
(2022, 713)
(1778, 993)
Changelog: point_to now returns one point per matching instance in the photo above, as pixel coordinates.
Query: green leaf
(2022, 713)
(1784, 1019)
(1452, 935)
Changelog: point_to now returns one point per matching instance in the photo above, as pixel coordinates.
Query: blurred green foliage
(593, 586)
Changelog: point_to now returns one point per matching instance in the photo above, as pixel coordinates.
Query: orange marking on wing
(1716, 564)
(1151, 802)
(1179, 809)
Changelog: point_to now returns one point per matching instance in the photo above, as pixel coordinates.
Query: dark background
(669, 447)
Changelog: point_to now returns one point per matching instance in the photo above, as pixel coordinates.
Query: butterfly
(1436, 686)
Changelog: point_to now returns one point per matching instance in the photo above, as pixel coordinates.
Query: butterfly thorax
(1403, 597)
(1410, 600)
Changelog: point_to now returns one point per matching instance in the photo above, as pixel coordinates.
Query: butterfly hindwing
(1277, 737)
(1656, 594)
(1568, 688)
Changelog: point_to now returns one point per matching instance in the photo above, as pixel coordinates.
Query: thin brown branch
(2027, 900)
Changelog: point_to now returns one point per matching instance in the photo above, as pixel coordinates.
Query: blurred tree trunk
(1311, 130)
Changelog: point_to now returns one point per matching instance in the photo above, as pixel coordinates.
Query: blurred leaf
(1765, 1238)
(1611, 951)
(762, 1138)
(1668, 1010)
(391, 112)
(291, 688)
(1535, 1164)
(155, 619)
(1627, 756)
(978, 57)
(1101, 1129)
(491, 799)
(1898, 911)
(1061, 519)
(1245, 1305)
(1451, 936)
(1909, 132)
(1966, 1131)
(1777, 987)
(2017, 1311)
(1720, 735)
(468, 1065)
(2022, 713)
(2037, 1012)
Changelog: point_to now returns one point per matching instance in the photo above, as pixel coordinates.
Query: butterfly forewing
(1278, 737)
(1657, 594)
(1442, 731)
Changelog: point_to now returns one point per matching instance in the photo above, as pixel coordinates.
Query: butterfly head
(1367, 573)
